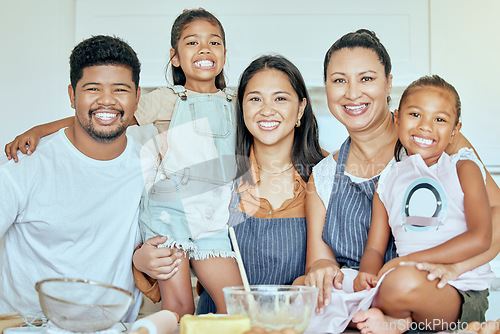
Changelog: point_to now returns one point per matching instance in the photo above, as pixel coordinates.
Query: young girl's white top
(425, 206)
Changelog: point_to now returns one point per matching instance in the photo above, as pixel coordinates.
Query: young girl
(438, 211)
(188, 188)
(188, 169)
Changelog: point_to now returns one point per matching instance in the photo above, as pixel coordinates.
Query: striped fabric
(273, 250)
(349, 214)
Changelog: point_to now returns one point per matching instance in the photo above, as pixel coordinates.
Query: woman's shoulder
(323, 176)
(325, 164)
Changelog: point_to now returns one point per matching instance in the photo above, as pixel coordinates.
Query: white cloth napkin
(343, 305)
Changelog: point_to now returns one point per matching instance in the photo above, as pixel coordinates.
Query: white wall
(36, 38)
(465, 49)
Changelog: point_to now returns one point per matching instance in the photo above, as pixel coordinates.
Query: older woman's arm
(322, 269)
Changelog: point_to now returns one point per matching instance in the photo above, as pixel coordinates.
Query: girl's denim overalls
(189, 199)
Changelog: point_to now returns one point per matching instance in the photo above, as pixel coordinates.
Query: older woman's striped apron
(273, 250)
(349, 214)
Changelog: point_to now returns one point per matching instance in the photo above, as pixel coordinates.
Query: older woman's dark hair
(362, 38)
(306, 151)
(427, 81)
(103, 50)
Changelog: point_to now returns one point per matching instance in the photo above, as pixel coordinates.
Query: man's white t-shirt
(64, 214)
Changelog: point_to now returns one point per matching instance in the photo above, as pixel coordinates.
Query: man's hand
(158, 263)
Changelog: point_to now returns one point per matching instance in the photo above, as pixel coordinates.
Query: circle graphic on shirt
(424, 206)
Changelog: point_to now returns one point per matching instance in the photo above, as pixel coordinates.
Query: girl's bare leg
(176, 292)
(405, 294)
(216, 273)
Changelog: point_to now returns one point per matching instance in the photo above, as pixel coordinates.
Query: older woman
(357, 73)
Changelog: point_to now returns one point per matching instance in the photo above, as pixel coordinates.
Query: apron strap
(342, 157)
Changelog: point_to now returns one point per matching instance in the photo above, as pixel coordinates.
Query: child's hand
(364, 281)
(25, 142)
(158, 263)
(324, 274)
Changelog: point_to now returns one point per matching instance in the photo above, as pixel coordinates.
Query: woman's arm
(322, 269)
(317, 249)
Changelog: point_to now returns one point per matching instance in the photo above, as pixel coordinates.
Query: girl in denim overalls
(189, 168)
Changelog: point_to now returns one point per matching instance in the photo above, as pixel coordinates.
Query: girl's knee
(179, 307)
(404, 282)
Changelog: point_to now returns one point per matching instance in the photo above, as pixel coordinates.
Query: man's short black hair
(103, 50)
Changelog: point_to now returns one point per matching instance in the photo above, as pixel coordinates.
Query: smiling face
(271, 108)
(201, 54)
(427, 122)
(105, 99)
(357, 88)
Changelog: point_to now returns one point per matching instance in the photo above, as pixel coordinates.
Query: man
(70, 210)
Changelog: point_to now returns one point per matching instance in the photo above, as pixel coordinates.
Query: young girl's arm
(28, 141)
(376, 245)
(450, 272)
(476, 239)
(494, 198)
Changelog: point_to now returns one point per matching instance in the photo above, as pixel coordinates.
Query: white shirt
(67, 215)
(324, 175)
(425, 207)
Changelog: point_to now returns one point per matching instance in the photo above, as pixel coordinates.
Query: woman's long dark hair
(306, 151)
(427, 81)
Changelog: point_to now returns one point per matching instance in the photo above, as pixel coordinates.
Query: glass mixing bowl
(273, 307)
(82, 305)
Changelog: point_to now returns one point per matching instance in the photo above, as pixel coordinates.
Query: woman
(338, 207)
(277, 145)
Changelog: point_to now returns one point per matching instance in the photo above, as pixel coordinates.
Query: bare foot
(375, 322)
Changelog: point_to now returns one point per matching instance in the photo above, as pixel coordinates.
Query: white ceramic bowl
(82, 305)
(273, 307)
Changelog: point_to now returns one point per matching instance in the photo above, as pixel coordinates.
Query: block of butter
(10, 322)
(214, 323)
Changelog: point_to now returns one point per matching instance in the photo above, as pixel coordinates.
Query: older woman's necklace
(276, 173)
(367, 160)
